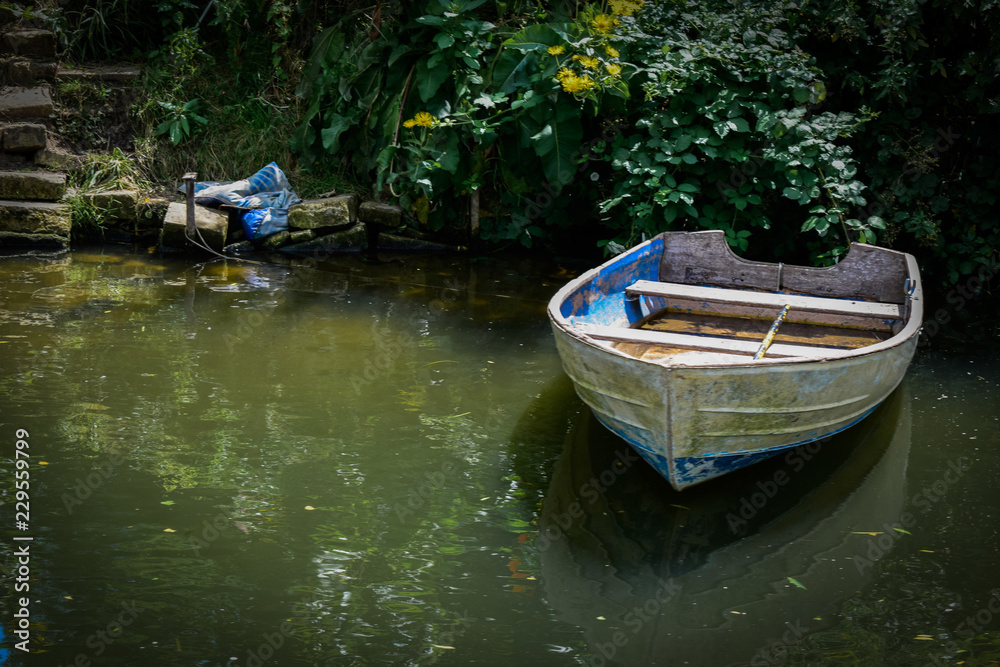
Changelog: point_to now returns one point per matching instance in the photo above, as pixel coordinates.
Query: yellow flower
(603, 23)
(556, 50)
(423, 119)
(564, 73)
(589, 62)
(612, 51)
(577, 84)
(613, 69)
(626, 7)
(409, 123)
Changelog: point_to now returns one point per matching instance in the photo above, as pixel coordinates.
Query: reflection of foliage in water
(230, 446)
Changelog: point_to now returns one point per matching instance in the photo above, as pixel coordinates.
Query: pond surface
(342, 463)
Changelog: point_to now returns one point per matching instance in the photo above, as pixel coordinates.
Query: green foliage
(108, 171)
(88, 219)
(730, 136)
(178, 125)
(83, 112)
(931, 157)
(447, 102)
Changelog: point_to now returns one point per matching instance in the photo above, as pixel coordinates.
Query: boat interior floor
(744, 329)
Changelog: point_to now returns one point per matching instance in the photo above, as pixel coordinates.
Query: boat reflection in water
(730, 572)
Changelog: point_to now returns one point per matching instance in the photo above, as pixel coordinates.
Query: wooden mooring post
(189, 179)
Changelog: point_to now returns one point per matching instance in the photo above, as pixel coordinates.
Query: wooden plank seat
(707, 343)
(819, 304)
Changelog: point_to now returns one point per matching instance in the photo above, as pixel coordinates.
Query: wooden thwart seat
(819, 304)
(708, 343)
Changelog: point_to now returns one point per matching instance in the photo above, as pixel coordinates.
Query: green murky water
(352, 464)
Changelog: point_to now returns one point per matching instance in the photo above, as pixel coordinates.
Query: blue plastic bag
(261, 222)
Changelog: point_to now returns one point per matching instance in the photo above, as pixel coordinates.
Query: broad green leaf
(739, 125)
(327, 47)
(538, 37)
(443, 40)
(431, 20)
(451, 153)
(429, 80)
(331, 134)
(514, 69)
(558, 143)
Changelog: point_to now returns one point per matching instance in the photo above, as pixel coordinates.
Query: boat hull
(696, 423)
(719, 413)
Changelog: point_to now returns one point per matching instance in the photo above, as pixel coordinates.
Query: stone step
(22, 137)
(119, 205)
(17, 103)
(106, 74)
(29, 224)
(384, 216)
(20, 17)
(341, 211)
(212, 225)
(30, 42)
(24, 72)
(31, 186)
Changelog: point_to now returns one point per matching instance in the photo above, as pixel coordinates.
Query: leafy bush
(449, 105)
(712, 115)
(928, 69)
(730, 133)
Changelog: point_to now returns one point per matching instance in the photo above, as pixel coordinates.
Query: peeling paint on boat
(695, 415)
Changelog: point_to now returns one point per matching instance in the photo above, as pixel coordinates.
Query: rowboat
(706, 362)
